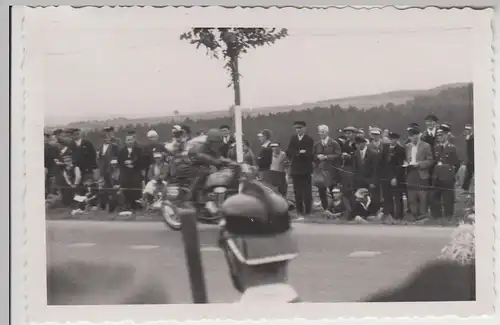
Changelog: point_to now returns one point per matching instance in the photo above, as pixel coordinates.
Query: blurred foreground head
(256, 238)
(441, 280)
(80, 283)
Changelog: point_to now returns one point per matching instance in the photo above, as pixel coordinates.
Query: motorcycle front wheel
(170, 216)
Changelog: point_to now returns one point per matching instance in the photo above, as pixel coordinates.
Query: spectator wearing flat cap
(419, 160)
(301, 156)
(366, 169)
(348, 148)
(392, 175)
(326, 157)
(258, 245)
(108, 151)
(84, 155)
(110, 131)
(264, 157)
(443, 178)
(469, 161)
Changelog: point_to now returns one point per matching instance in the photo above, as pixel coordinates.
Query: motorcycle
(217, 188)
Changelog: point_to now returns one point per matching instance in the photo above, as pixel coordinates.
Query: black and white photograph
(194, 160)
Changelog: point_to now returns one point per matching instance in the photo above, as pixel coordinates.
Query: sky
(102, 64)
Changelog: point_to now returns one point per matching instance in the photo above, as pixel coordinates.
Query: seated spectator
(362, 208)
(339, 207)
(157, 175)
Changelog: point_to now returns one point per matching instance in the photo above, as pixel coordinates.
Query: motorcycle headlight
(220, 190)
(172, 193)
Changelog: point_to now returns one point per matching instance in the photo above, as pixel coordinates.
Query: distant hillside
(398, 97)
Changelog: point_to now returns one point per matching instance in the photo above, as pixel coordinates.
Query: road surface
(337, 263)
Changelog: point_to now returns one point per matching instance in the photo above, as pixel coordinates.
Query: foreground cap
(152, 133)
(375, 131)
(446, 127)
(350, 129)
(362, 192)
(258, 226)
(274, 145)
(394, 135)
(299, 123)
(468, 126)
(336, 190)
(431, 117)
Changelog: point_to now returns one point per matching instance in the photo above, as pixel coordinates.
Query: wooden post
(237, 114)
(189, 231)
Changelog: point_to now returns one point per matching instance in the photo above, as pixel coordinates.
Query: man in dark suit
(108, 151)
(300, 154)
(131, 171)
(228, 140)
(429, 135)
(51, 152)
(265, 157)
(84, 155)
(348, 148)
(469, 162)
(365, 168)
(391, 169)
(443, 177)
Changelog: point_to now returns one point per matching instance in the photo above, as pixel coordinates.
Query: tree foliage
(230, 43)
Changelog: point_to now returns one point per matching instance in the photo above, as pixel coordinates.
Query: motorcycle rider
(193, 161)
(257, 243)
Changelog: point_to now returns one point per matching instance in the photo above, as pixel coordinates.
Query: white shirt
(78, 142)
(129, 151)
(432, 131)
(414, 149)
(104, 148)
(226, 139)
(363, 152)
(271, 293)
(300, 137)
(266, 144)
(325, 141)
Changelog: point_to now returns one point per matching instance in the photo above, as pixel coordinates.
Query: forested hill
(361, 102)
(453, 105)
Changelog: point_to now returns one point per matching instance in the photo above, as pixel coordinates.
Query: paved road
(337, 263)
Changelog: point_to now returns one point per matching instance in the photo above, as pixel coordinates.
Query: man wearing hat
(419, 160)
(258, 245)
(469, 162)
(392, 176)
(365, 168)
(443, 177)
(108, 151)
(348, 149)
(110, 132)
(300, 154)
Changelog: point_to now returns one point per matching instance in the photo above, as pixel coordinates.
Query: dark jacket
(84, 155)
(133, 173)
(332, 152)
(148, 151)
(391, 162)
(51, 153)
(469, 146)
(104, 158)
(447, 162)
(224, 149)
(365, 170)
(349, 148)
(265, 157)
(301, 163)
(430, 139)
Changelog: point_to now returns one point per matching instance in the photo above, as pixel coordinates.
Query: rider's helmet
(255, 234)
(214, 135)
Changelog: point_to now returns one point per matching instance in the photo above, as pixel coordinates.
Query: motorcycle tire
(170, 217)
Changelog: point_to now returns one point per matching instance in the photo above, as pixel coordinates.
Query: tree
(230, 43)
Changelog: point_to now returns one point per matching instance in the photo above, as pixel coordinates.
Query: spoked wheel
(170, 216)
